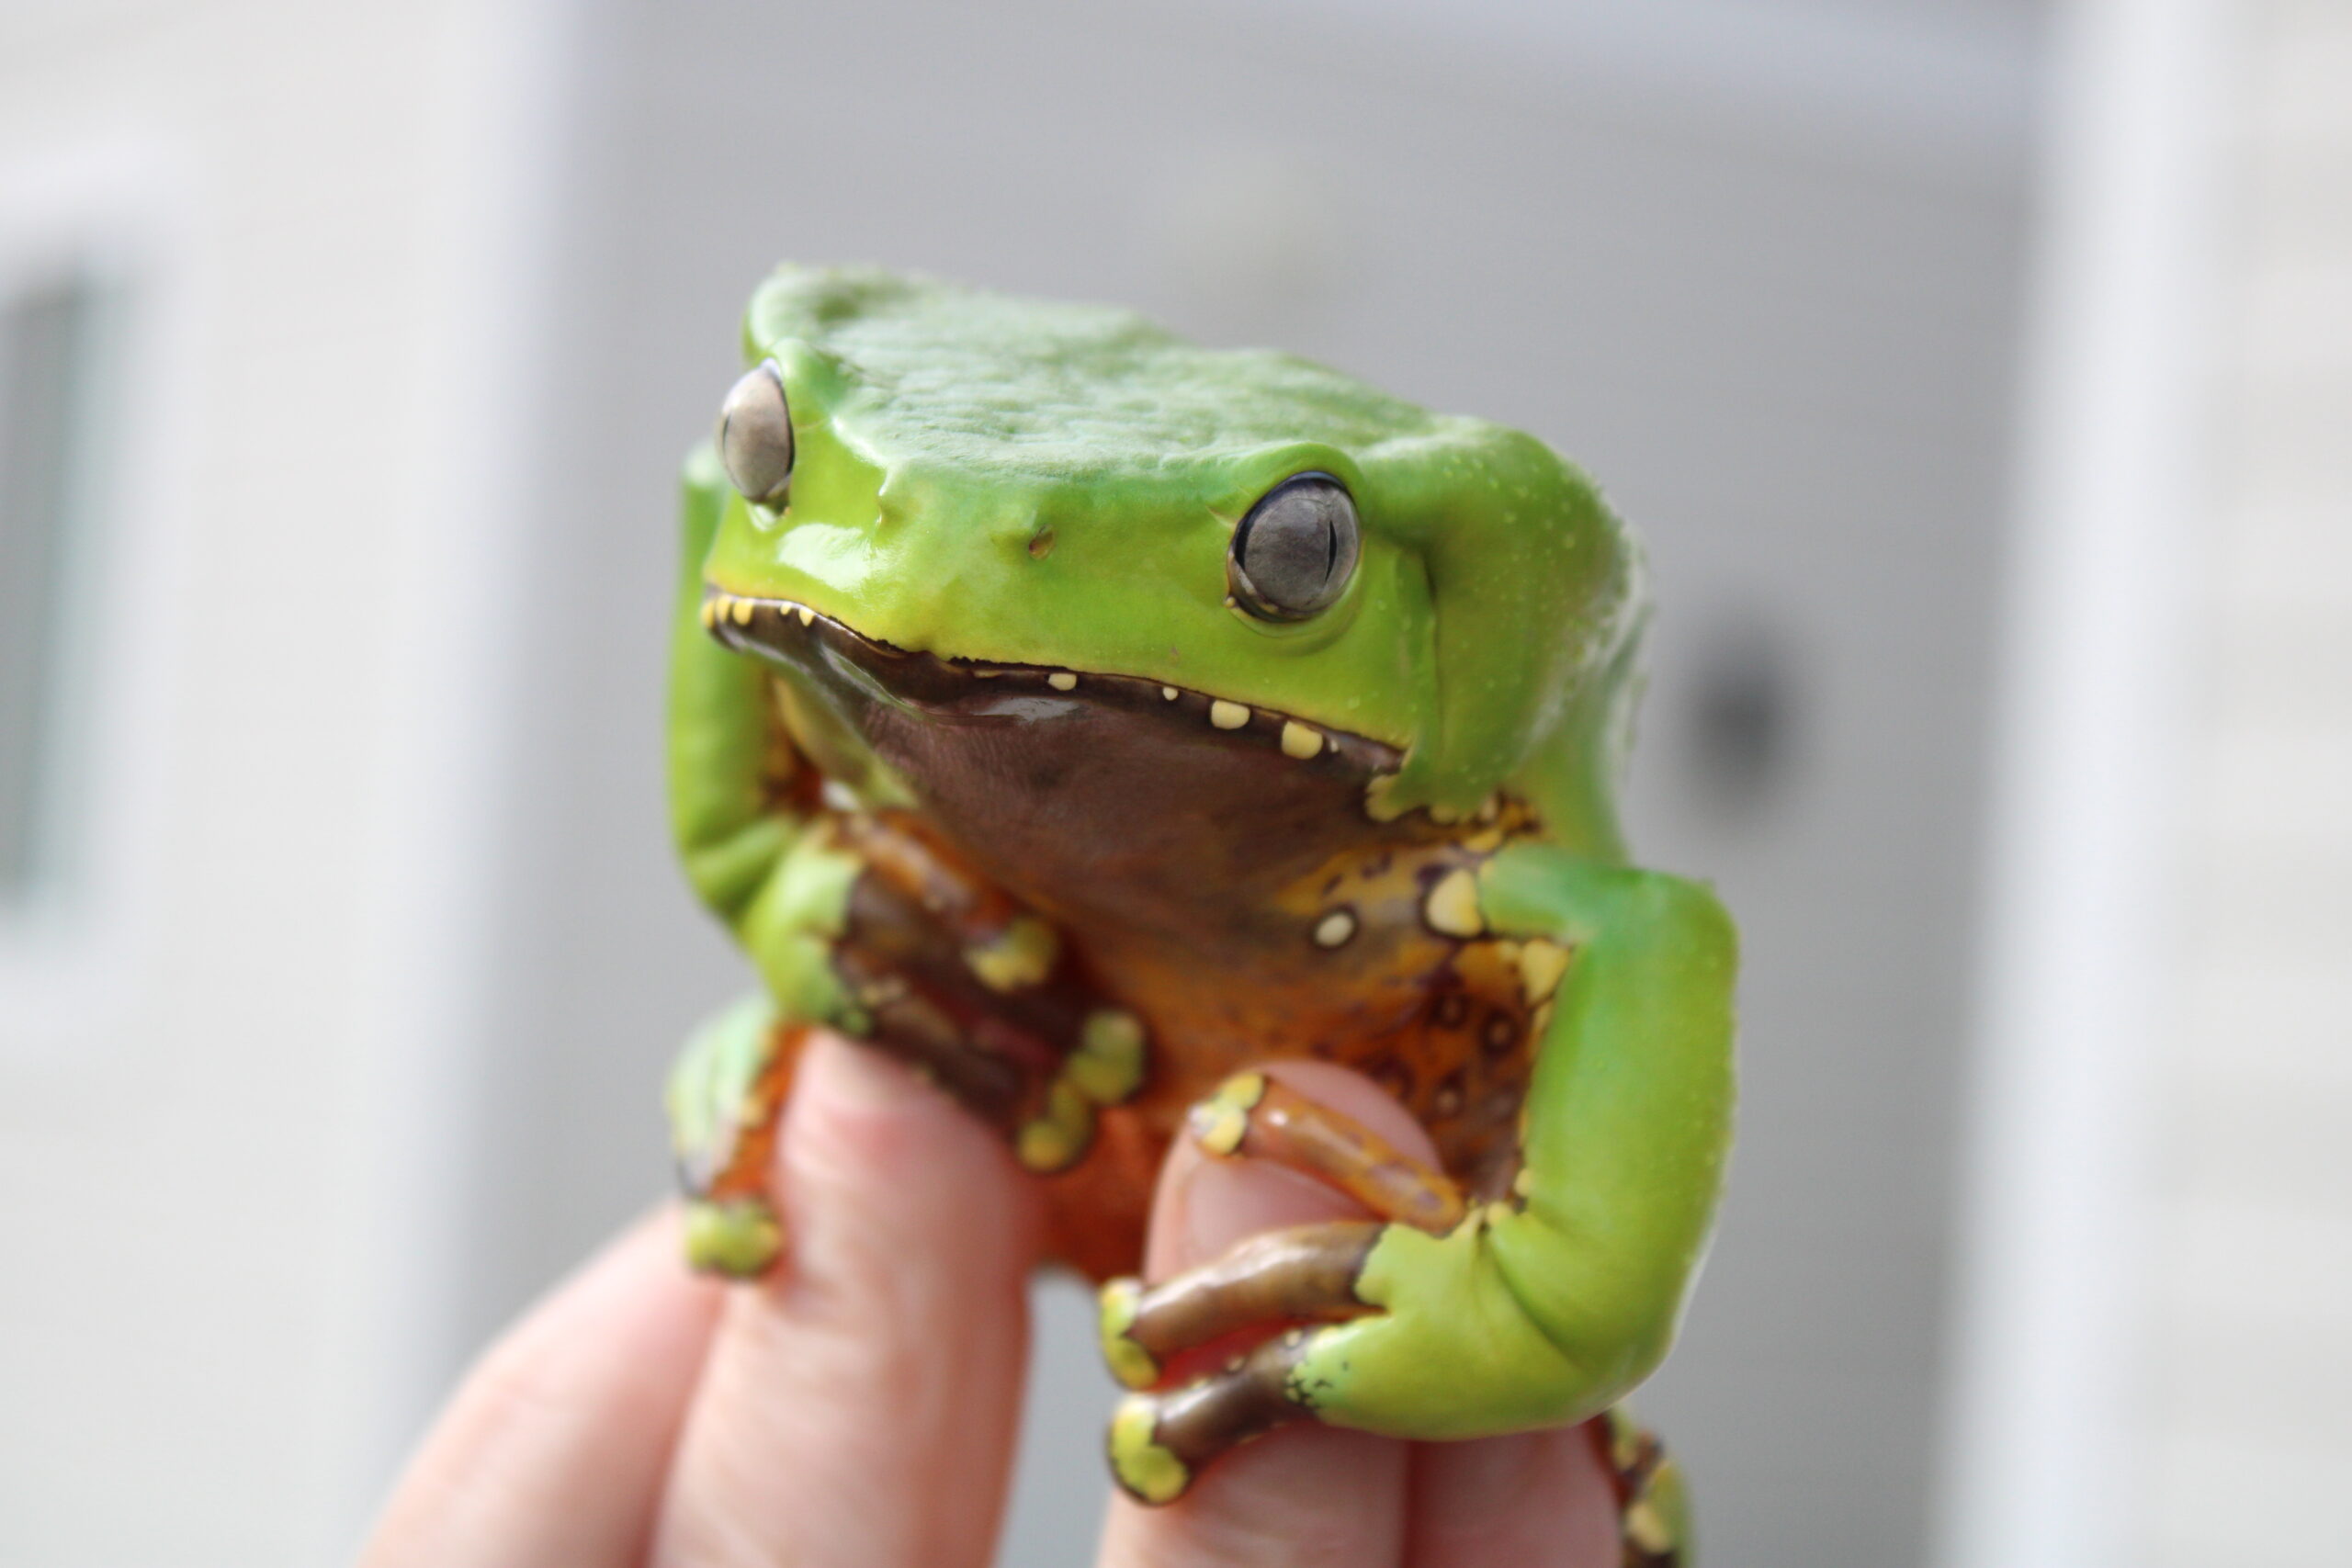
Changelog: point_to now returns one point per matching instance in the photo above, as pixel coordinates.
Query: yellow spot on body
(1170, 692)
(1227, 716)
(709, 614)
(742, 611)
(808, 616)
(1145, 1468)
(1451, 908)
(1541, 966)
(1524, 1182)
(1484, 843)
(1334, 928)
(1444, 816)
(1021, 955)
(1130, 1362)
(1300, 741)
(1062, 681)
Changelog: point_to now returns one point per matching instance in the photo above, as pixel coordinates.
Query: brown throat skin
(1237, 896)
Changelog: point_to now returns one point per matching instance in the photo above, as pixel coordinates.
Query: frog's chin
(796, 636)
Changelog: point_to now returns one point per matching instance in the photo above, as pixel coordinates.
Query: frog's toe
(1305, 1274)
(1159, 1442)
(1058, 1135)
(1145, 1468)
(1107, 1066)
(1129, 1362)
(738, 1237)
(1104, 1068)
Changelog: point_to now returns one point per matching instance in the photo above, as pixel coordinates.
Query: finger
(858, 1407)
(1306, 1493)
(1538, 1500)
(555, 1449)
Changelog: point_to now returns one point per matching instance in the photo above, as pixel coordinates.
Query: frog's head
(1433, 607)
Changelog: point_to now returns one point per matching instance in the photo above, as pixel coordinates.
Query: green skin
(942, 436)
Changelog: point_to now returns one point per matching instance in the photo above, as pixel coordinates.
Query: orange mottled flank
(1444, 1025)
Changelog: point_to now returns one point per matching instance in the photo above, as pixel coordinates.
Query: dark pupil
(1293, 547)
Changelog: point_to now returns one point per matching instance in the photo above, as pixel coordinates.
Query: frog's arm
(853, 920)
(1524, 1313)
(733, 825)
(746, 847)
(1630, 1114)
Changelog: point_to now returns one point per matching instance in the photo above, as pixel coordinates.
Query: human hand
(858, 1407)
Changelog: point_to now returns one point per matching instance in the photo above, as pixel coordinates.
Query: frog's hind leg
(944, 971)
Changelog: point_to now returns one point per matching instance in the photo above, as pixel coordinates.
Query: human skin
(858, 1407)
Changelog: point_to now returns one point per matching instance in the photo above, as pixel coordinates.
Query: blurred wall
(2247, 1412)
(226, 1009)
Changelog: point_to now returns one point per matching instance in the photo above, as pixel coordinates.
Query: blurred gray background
(346, 357)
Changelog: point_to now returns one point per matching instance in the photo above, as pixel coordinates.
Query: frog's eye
(1293, 553)
(756, 436)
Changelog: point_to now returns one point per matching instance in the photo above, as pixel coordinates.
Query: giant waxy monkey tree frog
(1085, 716)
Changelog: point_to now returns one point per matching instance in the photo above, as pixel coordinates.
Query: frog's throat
(792, 633)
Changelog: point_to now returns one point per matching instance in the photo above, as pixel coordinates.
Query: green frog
(1088, 718)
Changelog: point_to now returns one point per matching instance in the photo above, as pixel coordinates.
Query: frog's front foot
(1406, 1326)
(1277, 1284)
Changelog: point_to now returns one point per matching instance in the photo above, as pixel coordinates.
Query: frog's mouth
(795, 635)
